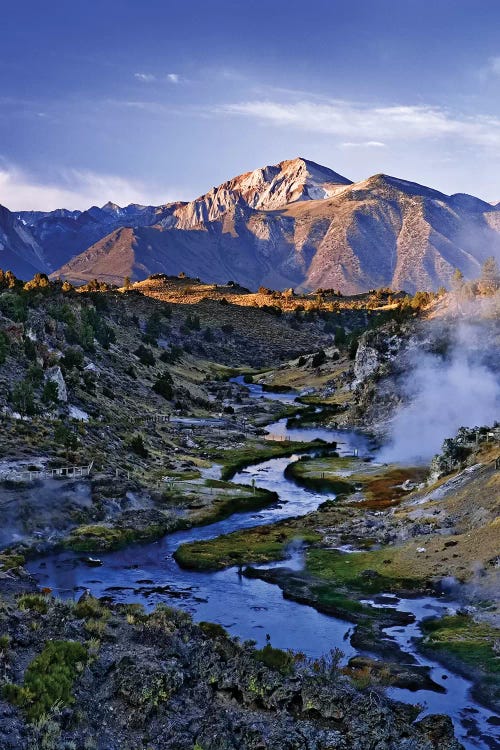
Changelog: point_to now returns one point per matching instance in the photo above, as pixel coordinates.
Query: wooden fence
(69, 472)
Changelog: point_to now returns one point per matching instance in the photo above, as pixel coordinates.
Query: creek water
(250, 608)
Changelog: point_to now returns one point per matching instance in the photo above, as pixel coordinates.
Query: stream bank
(251, 608)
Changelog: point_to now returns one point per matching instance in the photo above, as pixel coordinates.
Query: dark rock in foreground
(159, 681)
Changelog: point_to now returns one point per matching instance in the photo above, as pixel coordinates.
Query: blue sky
(154, 101)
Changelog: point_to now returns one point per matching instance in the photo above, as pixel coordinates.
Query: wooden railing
(70, 472)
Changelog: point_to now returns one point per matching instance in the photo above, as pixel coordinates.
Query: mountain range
(295, 224)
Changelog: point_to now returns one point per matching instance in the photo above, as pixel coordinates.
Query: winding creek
(251, 608)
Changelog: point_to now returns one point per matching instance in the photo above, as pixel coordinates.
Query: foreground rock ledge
(162, 682)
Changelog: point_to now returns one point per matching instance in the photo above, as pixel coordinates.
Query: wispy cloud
(370, 124)
(151, 77)
(145, 77)
(362, 144)
(73, 189)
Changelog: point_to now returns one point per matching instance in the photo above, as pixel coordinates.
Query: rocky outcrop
(376, 351)
(54, 375)
(456, 450)
(184, 686)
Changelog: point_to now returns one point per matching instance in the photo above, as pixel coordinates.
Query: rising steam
(445, 393)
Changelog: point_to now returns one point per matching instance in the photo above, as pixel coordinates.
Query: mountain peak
(383, 181)
(314, 171)
(111, 207)
(267, 188)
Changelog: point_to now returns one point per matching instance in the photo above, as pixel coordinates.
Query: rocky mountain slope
(18, 247)
(295, 224)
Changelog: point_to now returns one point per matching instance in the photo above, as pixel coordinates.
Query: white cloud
(370, 124)
(150, 77)
(73, 189)
(145, 77)
(362, 144)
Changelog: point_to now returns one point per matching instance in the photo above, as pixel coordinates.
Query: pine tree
(489, 281)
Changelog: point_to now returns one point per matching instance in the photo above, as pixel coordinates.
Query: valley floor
(248, 480)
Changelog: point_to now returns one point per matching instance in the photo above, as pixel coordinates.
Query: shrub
(90, 608)
(353, 347)
(145, 355)
(227, 328)
(340, 336)
(97, 327)
(137, 446)
(192, 322)
(318, 359)
(108, 392)
(39, 281)
(208, 335)
(29, 349)
(172, 356)
(7, 280)
(14, 307)
(23, 399)
(65, 437)
(153, 325)
(163, 386)
(4, 346)
(49, 679)
(167, 619)
(35, 375)
(131, 372)
(213, 630)
(34, 602)
(275, 658)
(50, 393)
(73, 357)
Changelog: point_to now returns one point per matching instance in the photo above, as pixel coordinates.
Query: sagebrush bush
(33, 602)
(48, 679)
(275, 658)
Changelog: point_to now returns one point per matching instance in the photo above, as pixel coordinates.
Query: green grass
(11, 562)
(329, 597)
(472, 642)
(380, 485)
(304, 473)
(258, 545)
(349, 571)
(33, 603)
(238, 458)
(48, 679)
(101, 538)
(224, 506)
(275, 658)
(469, 647)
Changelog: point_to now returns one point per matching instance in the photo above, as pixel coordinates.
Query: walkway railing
(70, 472)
